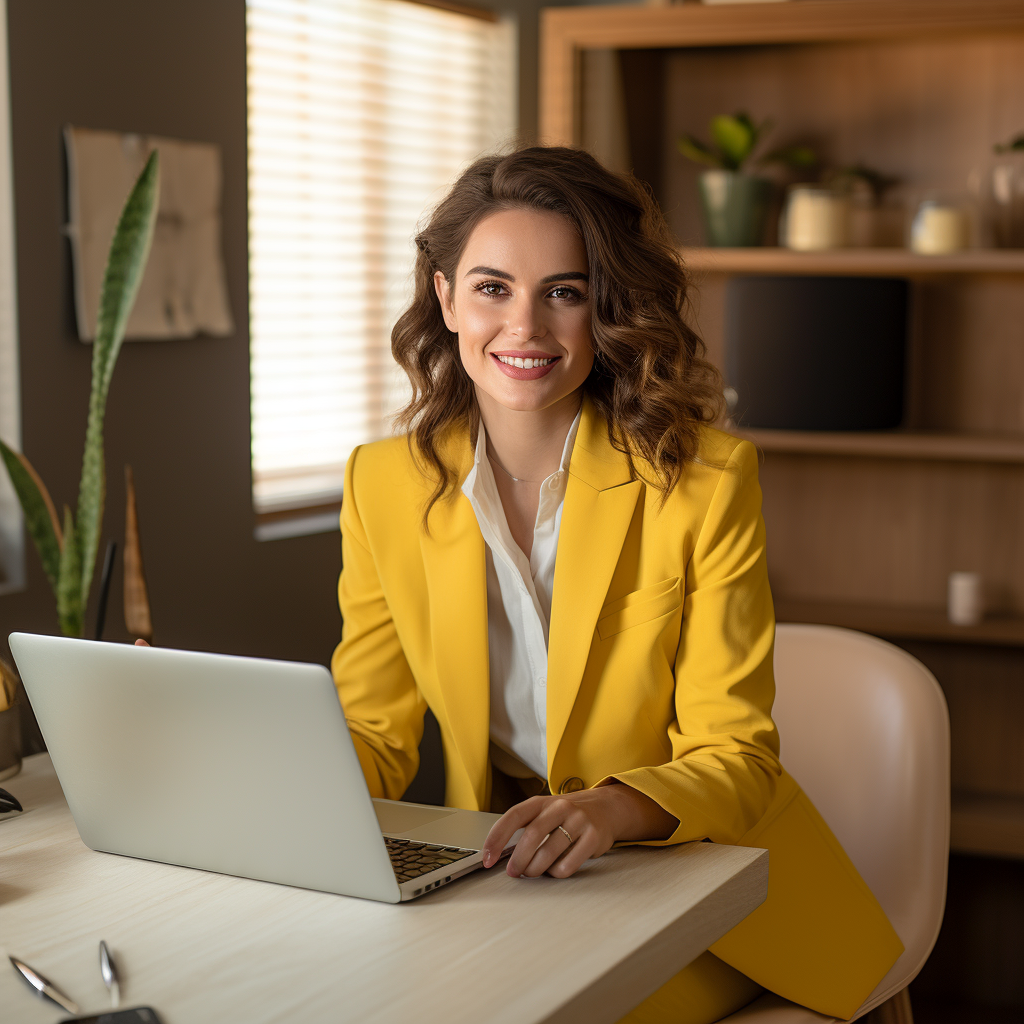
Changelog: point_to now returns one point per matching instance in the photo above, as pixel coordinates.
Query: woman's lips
(522, 373)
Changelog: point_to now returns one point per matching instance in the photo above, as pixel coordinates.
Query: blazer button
(571, 785)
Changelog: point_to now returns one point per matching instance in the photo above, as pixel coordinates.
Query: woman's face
(520, 304)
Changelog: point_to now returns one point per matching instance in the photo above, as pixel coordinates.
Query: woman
(566, 563)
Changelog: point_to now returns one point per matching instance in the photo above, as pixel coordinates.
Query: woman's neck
(528, 445)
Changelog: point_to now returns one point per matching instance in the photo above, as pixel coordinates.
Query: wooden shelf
(891, 444)
(896, 623)
(893, 262)
(988, 825)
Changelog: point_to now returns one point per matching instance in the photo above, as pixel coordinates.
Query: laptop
(239, 765)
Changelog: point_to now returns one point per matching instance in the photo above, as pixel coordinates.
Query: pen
(109, 972)
(44, 988)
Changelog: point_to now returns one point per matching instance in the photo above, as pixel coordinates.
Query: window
(360, 114)
(12, 537)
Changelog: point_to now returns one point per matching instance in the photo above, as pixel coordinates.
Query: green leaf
(791, 156)
(69, 583)
(1015, 145)
(735, 136)
(129, 251)
(697, 151)
(40, 515)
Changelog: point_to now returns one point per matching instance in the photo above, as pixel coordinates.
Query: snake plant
(68, 549)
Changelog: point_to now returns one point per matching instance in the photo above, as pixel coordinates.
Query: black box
(816, 353)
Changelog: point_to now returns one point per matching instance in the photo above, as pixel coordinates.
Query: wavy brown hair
(650, 379)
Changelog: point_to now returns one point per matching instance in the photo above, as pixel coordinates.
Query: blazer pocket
(641, 606)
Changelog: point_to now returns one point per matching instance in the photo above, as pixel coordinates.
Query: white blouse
(518, 612)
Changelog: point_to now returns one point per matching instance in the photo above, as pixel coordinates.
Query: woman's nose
(526, 319)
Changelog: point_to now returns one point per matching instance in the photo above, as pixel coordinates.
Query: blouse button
(571, 785)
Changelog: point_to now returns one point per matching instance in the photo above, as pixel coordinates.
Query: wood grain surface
(200, 947)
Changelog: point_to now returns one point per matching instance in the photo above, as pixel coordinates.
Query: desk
(201, 947)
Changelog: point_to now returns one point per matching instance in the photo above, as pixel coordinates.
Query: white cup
(964, 600)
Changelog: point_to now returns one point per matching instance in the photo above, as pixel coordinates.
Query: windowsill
(297, 522)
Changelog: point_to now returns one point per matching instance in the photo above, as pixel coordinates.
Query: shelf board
(891, 444)
(988, 825)
(898, 623)
(893, 262)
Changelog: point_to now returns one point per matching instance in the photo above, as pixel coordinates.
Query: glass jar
(815, 218)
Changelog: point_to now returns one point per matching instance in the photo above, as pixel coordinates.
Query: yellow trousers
(705, 991)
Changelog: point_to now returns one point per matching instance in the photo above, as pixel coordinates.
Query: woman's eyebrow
(572, 275)
(490, 272)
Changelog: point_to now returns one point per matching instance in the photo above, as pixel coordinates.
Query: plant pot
(10, 743)
(10, 724)
(735, 207)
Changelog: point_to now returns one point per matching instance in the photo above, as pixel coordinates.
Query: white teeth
(526, 364)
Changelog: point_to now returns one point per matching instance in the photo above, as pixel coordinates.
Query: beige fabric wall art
(183, 291)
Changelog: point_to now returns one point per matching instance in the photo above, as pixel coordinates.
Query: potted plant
(735, 203)
(68, 548)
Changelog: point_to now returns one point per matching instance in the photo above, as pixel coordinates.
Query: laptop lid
(239, 765)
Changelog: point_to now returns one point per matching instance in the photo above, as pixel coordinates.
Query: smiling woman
(565, 562)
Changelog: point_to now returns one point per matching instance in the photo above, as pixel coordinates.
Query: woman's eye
(491, 288)
(565, 292)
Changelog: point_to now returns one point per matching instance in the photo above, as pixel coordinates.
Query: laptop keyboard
(411, 859)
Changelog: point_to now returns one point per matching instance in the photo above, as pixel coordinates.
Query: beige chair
(865, 731)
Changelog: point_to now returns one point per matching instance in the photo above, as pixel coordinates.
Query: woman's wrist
(638, 818)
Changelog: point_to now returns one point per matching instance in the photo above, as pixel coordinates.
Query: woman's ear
(444, 296)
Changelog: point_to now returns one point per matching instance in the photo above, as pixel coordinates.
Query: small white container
(940, 228)
(816, 218)
(965, 604)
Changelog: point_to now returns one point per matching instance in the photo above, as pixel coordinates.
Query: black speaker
(816, 353)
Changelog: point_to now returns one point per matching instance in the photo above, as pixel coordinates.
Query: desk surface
(200, 947)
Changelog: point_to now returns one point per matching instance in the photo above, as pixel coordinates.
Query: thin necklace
(517, 479)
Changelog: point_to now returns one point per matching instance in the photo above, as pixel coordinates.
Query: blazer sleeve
(725, 765)
(383, 706)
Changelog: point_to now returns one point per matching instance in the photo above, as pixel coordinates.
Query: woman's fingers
(141, 643)
(550, 850)
(577, 855)
(506, 826)
(544, 829)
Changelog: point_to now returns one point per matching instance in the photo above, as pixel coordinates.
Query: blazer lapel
(455, 567)
(600, 500)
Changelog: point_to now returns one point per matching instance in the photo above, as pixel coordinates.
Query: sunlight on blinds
(361, 112)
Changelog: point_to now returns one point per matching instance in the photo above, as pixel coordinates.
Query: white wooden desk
(200, 947)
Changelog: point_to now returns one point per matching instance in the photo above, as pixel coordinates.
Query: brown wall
(178, 411)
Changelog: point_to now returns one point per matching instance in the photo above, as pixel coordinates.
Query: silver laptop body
(238, 765)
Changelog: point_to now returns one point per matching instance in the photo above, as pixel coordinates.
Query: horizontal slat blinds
(360, 113)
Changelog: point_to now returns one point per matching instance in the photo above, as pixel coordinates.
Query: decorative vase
(735, 207)
(10, 724)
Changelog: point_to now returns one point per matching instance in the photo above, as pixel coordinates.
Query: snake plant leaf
(70, 606)
(696, 151)
(125, 264)
(735, 136)
(40, 515)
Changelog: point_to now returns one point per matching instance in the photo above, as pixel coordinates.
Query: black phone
(135, 1015)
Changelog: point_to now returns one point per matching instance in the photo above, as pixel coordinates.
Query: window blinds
(361, 112)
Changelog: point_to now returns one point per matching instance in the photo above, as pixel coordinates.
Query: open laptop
(238, 765)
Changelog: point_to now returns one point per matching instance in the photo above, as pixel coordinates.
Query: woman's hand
(594, 819)
(141, 643)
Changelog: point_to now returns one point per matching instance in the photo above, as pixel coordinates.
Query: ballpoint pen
(109, 972)
(43, 987)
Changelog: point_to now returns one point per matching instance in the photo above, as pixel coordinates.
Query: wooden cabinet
(864, 529)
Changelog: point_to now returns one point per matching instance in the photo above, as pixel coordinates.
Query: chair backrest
(865, 731)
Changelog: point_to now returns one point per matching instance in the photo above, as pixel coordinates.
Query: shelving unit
(866, 262)
(863, 528)
(895, 444)
(895, 622)
(987, 825)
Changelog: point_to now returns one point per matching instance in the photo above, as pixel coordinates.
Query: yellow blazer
(659, 675)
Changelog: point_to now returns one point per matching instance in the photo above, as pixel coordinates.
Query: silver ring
(566, 834)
